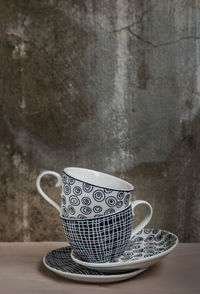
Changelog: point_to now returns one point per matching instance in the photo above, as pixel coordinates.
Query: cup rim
(95, 218)
(67, 171)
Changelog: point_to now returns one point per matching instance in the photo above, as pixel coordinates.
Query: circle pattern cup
(87, 193)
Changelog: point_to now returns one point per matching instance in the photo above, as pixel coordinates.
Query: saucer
(60, 262)
(146, 248)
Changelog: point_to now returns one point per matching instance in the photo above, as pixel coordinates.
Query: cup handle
(48, 172)
(147, 218)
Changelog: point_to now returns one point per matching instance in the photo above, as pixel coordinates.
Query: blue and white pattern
(111, 201)
(71, 210)
(120, 195)
(59, 261)
(64, 178)
(145, 249)
(98, 215)
(127, 199)
(99, 195)
(65, 211)
(108, 191)
(67, 180)
(73, 200)
(119, 204)
(100, 239)
(87, 188)
(63, 199)
(109, 211)
(97, 209)
(147, 243)
(71, 181)
(86, 201)
(81, 216)
(77, 190)
(67, 189)
(85, 210)
(79, 195)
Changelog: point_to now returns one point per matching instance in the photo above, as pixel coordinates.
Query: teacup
(88, 193)
(103, 239)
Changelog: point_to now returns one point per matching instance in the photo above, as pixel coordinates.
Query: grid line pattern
(100, 239)
(60, 259)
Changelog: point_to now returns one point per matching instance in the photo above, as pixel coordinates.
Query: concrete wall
(107, 85)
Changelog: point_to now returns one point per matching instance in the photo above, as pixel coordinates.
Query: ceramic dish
(100, 239)
(59, 261)
(145, 249)
(88, 193)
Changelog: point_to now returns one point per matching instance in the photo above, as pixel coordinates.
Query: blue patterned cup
(105, 238)
(88, 194)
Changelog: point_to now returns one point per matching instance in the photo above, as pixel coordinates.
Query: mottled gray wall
(108, 85)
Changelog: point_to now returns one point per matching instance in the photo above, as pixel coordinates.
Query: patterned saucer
(146, 248)
(60, 262)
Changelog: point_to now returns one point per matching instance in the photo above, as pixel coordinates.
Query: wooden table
(22, 271)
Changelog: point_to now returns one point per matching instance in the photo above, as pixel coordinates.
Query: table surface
(22, 271)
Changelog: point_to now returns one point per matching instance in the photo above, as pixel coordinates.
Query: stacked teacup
(96, 212)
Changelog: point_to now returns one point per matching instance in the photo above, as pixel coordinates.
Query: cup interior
(98, 179)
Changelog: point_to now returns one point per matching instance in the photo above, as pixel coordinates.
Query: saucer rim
(126, 263)
(92, 277)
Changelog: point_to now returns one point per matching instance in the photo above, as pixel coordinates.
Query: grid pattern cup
(100, 239)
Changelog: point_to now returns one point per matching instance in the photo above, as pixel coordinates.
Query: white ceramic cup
(104, 239)
(87, 193)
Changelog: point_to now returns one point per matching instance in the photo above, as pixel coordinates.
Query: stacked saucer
(97, 216)
(148, 247)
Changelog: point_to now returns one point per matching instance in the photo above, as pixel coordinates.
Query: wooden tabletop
(22, 271)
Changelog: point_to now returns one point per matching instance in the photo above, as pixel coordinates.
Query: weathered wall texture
(107, 85)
